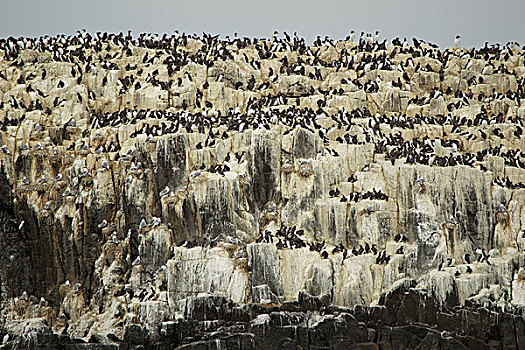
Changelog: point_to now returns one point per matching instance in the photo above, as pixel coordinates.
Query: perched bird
(136, 261)
(232, 240)
(105, 164)
(161, 269)
(401, 238)
(155, 221)
(483, 257)
(457, 40)
(113, 238)
(164, 192)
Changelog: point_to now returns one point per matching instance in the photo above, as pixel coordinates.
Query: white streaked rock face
(339, 151)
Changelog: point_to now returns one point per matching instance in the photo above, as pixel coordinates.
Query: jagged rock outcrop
(206, 193)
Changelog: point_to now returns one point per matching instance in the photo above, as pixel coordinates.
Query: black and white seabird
(457, 40)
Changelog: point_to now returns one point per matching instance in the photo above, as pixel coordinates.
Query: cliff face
(188, 186)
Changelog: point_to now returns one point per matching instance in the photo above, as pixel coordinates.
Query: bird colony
(141, 177)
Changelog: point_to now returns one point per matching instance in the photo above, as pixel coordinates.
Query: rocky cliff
(194, 192)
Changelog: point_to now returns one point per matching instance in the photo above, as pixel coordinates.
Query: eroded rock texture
(177, 191)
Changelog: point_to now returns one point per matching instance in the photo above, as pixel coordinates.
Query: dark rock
(134, 334)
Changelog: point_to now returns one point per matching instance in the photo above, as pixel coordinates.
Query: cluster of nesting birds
(144, 60)
(356, 196)
(292, 238)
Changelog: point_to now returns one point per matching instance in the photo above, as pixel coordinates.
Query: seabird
(155, 221)
(195, 173)
(103, 224)
(400, 238)
(136, 261)
(113, 238)
(232, 240)
(369, 38)
(483, 257)
(457, 40)
(164, 192)
(352, 36)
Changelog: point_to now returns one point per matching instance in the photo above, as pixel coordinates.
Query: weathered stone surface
(198, 193)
